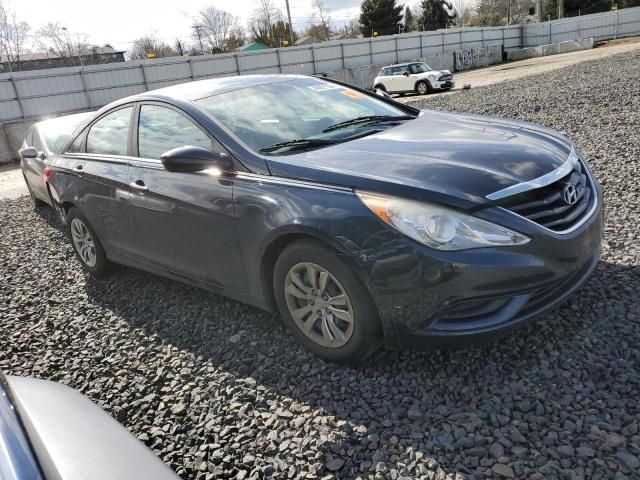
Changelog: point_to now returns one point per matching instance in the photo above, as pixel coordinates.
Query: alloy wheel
(319, 305)
(422, 88)
(83, 241)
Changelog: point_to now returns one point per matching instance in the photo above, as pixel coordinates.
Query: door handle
(139, 185)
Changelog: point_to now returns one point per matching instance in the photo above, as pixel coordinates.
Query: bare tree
(13, 34)
(220, 31)
(465, 10)
(180, 47)
(322, 19)
(57, 40)
(150, 47)
(352, 29)
(263, 21)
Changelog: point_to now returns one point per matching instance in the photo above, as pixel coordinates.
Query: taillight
(48, 174)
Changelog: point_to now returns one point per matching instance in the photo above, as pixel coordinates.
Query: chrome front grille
(445, 77)
(559, 206)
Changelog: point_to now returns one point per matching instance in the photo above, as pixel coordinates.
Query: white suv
(413, 77)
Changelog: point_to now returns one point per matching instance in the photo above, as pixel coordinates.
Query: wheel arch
(284, 237)
(426, 81)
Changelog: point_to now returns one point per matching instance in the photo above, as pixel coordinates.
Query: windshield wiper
(298, 144)
(367, 119)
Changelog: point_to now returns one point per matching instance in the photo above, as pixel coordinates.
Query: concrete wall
(551, 49)
(11, 136)
(477, 57)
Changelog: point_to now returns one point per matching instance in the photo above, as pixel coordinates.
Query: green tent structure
(250, 47)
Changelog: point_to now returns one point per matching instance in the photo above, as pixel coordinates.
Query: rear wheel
(380, 87)
(423, 87)
(86, 244)
(324, 303)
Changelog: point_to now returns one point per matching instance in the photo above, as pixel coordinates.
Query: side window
(110, 134)
(161, 129)
(76, 146)
(403, 69)
(386, 72)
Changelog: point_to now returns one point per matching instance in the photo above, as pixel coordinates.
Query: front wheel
(324, 303)
(86, 244)
(423, 87)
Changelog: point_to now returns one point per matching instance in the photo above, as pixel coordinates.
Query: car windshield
(420, 68)
(57, 131)
(303, 108)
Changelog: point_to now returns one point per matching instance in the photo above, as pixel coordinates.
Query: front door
(404, 82)
(185, 222)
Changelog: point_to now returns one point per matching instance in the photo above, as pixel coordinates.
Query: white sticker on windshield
(321, 87)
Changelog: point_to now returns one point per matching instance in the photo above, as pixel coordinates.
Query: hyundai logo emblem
(570, 194)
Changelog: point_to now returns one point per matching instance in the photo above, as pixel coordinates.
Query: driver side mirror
(406, 74)
(28, 152)
(188, 159)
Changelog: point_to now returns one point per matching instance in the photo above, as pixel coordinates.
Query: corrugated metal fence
(62, 90)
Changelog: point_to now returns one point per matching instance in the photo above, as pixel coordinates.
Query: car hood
(451, 158)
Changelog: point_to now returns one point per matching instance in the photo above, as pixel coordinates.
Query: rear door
(34, 167)
(96, 165)
(185, 222)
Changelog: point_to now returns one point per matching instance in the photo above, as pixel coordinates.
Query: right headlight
(439, 227)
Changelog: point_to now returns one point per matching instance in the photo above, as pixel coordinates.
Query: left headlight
(439, 227)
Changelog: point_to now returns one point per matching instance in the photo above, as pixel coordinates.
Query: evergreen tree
(409, 20)
(436, 14)
(382, 16)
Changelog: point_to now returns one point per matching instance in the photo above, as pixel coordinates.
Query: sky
(119, 22)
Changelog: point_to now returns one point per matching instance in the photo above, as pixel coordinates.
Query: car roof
(61, 119)
(401, 64)
(214, 86)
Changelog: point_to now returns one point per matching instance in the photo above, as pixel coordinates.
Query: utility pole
(509, 12)
(540, 19)
(197, 28)
(290, 24)
(560, 8)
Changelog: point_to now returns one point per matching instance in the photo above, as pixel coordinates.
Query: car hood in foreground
(457, 159)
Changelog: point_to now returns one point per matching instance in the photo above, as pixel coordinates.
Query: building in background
(40, 61)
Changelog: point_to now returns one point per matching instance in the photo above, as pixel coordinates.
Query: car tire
(380, 87)
(341, 320)
(86, 244)
(37, 203)
(423, 87)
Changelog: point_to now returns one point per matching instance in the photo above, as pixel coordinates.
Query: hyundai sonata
(360, 220)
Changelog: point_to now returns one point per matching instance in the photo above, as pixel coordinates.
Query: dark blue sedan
(360, 220)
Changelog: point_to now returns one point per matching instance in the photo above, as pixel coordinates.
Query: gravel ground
(218, 389)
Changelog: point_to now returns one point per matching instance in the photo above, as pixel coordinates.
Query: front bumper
(444, 85)
(432, 299)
